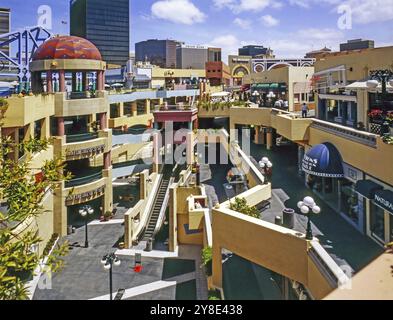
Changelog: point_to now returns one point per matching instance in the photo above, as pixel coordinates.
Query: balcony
(81, 137)
(251, 116)
(83, 180)
(131, 121)
(28, 109)
(362, 150)
(175, 113)
(365, 138)
(80, 103)
(82, 146)
(87, 188)
(293, 127)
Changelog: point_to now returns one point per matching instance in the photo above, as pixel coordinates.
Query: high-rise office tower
(5, 26)
(106, 24)
(161, 53)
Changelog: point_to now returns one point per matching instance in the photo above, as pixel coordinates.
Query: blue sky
(289, 27)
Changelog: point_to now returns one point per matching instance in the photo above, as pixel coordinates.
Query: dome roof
(67, 47)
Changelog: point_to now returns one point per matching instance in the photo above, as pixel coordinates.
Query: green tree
(240, 205)
(22, 194)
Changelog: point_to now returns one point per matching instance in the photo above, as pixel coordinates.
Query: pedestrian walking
(305, 110)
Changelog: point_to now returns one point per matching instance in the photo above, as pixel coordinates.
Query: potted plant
(106, 217)
(95, 125)
(376, 116)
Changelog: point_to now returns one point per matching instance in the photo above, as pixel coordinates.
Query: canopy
(367, 188)
(363, 85)
(323, 160)
(220, 94)
(384, 199)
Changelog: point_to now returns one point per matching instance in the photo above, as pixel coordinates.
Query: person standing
(305, 110)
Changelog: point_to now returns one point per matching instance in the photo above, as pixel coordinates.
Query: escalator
(157, 208)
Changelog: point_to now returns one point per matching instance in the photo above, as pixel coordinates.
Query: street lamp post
(85, 212)
(109, 261)
(306, 206)
(266, 165)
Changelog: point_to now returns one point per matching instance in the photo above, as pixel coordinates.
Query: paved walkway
(339, 238)
(84, 277)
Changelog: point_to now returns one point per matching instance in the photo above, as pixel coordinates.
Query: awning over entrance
(384, 199)
(323, 160)
(367, 188)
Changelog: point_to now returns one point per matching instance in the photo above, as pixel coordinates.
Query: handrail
(333, 273)
(362, 137)
(84, 180)
(81, 137)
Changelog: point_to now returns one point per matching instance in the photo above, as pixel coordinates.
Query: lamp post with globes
(266, 165)
(85, 212)
(109, 261)
(306, 206)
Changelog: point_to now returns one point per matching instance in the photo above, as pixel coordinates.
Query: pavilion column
(62, 82)
(103, 121)
(85, 81)
(107, 160)
(100, 80)
(60, 127)
(74, 82)
(49, 83)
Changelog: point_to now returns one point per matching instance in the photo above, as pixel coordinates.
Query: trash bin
(289, 218)
(149, 245)
(278, 221)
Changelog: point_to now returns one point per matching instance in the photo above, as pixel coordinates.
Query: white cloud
(242, 23)
(229, 44)
(369, 11)
(177, 11)
(269, 21)
(297, 44)
(238, 6)
(363, 11)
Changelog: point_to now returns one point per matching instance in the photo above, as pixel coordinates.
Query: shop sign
(352, 173)
(386, 204)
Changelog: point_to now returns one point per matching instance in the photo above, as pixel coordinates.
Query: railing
(84, 180)
(365, 138)
(375, 128)
(81, 137)
(80, 95)
(173, 108)
(329, 268)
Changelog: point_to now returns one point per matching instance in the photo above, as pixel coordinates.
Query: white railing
(362, 137)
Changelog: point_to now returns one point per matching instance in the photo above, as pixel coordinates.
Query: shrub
(240, 205)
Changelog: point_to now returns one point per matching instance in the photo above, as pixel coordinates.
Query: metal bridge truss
(24, 43)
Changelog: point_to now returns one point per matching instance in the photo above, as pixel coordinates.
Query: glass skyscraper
(106, 24)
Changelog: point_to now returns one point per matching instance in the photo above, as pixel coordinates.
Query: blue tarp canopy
(323, 160)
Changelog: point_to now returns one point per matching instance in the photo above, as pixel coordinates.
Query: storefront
(335, 182)
(380, 210)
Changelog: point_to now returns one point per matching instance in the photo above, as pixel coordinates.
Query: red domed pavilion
(67, 47)
(63, 55)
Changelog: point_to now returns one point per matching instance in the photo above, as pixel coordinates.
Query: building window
(391, 227)
(377, 222)
(349, 201)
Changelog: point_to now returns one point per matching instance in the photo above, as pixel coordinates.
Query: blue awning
(367, 188)
(323, 160)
